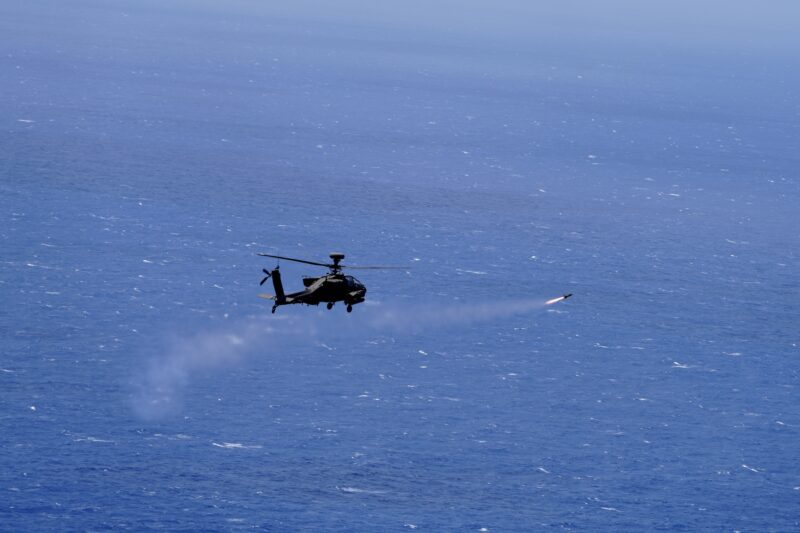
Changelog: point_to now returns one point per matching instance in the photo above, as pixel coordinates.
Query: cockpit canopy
(353, 283)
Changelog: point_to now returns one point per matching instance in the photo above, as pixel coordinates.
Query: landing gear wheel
(349, 308)
(330, 306)
(274, 307)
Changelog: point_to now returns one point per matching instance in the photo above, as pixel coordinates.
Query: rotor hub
(336, 257)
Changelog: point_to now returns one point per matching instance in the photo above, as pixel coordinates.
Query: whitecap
(95, 439)
(82, 438)
(354, 490)
(236, 446)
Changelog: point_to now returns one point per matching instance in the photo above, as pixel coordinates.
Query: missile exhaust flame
(556, 300)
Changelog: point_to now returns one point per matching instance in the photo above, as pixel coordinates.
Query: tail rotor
(268, 274)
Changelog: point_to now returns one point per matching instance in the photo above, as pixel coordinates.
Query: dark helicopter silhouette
(331, 288)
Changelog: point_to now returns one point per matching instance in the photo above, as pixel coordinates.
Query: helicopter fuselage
(330, 288)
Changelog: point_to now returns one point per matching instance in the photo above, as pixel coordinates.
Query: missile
(556, 300)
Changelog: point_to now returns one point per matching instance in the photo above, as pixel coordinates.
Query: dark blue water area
(148, 152)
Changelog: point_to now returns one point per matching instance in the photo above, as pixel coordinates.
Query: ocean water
(507, 156)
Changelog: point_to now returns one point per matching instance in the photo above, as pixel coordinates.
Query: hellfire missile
(556, 300)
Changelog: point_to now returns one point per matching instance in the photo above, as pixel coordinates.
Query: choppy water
(149, 152)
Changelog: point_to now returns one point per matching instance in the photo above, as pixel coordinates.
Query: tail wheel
(274, 307)
(349, 308)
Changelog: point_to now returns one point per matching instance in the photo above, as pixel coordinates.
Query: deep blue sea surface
(507, 154)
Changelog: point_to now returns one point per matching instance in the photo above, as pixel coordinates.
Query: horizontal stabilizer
(266, 296)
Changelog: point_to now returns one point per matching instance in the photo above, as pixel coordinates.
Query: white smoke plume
(163, 382)
(159, 390)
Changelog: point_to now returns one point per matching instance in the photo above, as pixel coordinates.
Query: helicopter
(331, 288)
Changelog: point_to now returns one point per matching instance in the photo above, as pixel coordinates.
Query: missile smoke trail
(415, 319)
(162, 383)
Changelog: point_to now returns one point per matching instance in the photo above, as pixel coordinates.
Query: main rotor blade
(376, 267)
(297, 260)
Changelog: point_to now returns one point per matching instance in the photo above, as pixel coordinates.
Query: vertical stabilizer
(280, 296)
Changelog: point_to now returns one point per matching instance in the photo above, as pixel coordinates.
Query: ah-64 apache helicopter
(331, 288)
